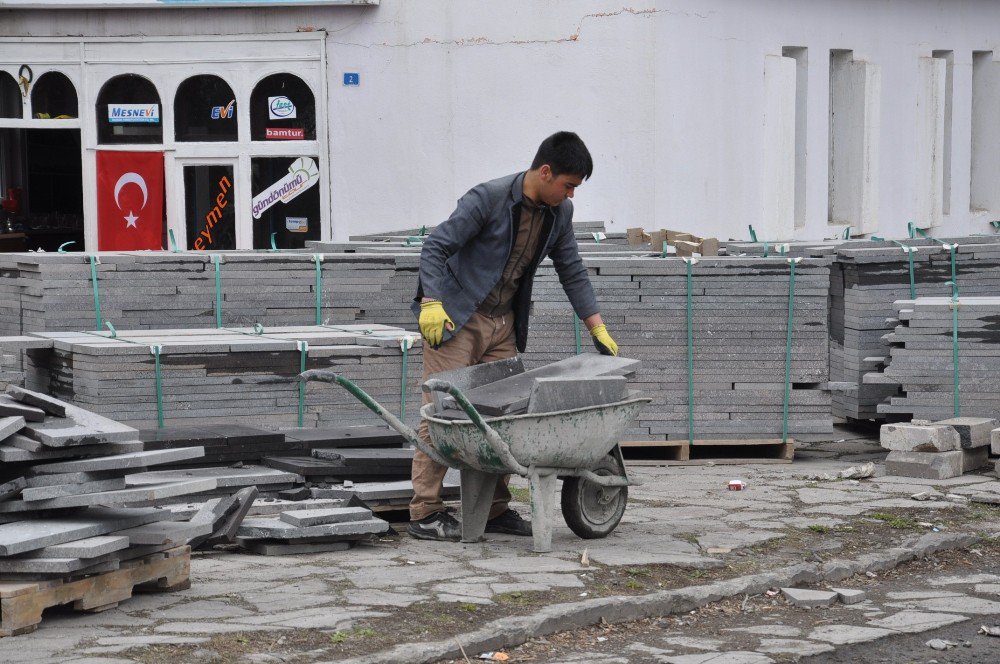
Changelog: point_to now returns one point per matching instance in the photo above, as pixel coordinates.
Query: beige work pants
(482, 339)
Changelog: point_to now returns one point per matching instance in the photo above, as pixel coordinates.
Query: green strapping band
(753, 234)
(318, 258)
(954, 346)
(173, 241)
(404, 344)
(303, 351)
(576, 333)
(788, 350)
(216, 260)
(690, 353)
(159, 385)
(913, 283)
(62, 247)
(98, 322)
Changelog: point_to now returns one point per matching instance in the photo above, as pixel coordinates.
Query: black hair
(565, 153)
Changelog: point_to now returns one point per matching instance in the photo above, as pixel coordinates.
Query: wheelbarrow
(580, 446)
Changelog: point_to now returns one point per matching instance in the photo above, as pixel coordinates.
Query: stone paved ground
(683, 527)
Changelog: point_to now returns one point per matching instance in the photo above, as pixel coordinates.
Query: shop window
(282, 107)
(53, 96)
(208, 202)
(128, 111)
(205, 110)
(10, 96)
(285, 201)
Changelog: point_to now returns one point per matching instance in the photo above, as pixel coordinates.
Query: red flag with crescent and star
(129, 200)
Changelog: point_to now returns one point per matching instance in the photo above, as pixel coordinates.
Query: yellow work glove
(433, 321)
(603, 340)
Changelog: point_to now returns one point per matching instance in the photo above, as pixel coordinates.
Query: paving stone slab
(964, 605)
(225, 477)
(44, 402)
(930, 465)
(79, 427)
(973, 432)
(24, 536)
(90, 547)
(796, 647)
(121, 461)
(59, 490)
(12, 488)
(730, 657)
(850, 595)
(809, 599)
(165, 533)
(10, 424)
(120, 497)
(919, 438)
(226, 533)
(846, 634)
(913, 622)
(306, 518)
(279, 548)
(265, 528)
(9, 407)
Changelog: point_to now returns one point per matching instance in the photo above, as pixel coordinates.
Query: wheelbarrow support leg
(477, 498)
(543, 503)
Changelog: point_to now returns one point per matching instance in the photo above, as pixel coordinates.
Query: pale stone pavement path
(683, 516)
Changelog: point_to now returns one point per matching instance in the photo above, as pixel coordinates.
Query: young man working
(474, 295)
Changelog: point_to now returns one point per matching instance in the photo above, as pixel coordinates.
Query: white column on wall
(985, 195)
(929, 189)
(778, 172)
(855, 88)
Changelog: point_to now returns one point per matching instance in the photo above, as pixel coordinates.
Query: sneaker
(439, 526)
(509, 523)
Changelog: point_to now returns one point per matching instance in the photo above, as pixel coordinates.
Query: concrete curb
(513, 631)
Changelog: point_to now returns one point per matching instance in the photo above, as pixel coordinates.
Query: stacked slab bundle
(739, 318)
(865, 282)
(66, 504)
(920, 373)
(216, 376)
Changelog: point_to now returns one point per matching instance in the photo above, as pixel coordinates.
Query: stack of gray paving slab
(66, 505)
(347, 463)
(939, 450)
(310, 531)
(739, 325)
(223, 443)
(740, 313)
(217, 376)
(866, 281)
(919, 373)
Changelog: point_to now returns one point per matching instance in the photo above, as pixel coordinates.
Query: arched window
(10, 96)
(205, 110)
(282, 107)
(54, 96)
(128, 111)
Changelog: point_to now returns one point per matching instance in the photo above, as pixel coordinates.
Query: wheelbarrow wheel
(590, 510)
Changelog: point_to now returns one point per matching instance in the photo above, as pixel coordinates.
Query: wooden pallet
(21, 604)
(703, 452)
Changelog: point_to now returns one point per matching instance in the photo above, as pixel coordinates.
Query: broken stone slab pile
(938, 450)
(919, 373)
(216, 376)
(66, 505)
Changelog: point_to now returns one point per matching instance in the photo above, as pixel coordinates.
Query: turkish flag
(129, 200)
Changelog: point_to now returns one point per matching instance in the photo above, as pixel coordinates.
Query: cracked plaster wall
(669, 95)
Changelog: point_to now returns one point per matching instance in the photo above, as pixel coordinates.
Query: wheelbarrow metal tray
(570, 439)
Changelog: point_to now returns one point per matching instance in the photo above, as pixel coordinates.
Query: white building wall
(669, 95)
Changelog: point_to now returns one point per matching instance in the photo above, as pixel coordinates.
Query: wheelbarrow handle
(327, 376)
(499, 447)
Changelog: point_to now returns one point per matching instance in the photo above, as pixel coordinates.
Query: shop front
(161, 143)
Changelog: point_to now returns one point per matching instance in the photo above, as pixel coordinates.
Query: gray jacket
(463, 258)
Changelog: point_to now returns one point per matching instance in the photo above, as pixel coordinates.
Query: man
(474, 295)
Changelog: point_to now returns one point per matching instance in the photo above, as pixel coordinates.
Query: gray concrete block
(972, 431)
(928, 465)
(12, 488)
(554, 393)
(919, 438)
(38, 400)
(9, 406)
(60, 490)
(974, 458)
(995, 442)
(90, 547)
(306, 518)
(23, 536)
(809, 599)
(119, 497)
(121, 461)
(850, 595)
(166, 532)
(226, 533)
(264, 528)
